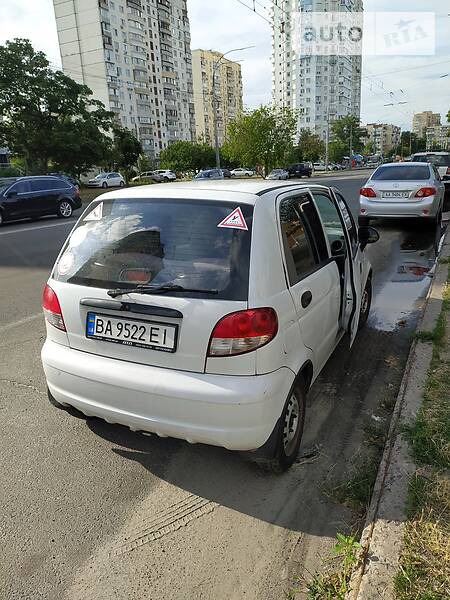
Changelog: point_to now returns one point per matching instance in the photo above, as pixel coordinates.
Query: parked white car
(205, 312)
(107, 180)
(166, 174)
(406, 189)
(240, 172)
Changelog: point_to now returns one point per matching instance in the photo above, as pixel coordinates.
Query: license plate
(132, 332)
(395, 194)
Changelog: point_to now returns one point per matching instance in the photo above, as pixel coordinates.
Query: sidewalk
(390, 561)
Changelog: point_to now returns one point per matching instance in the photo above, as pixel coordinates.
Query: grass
(425, 563)
(424, 572)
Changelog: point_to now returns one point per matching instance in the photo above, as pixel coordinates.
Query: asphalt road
(94, 511)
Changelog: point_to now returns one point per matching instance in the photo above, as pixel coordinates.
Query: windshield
(439, 160)
(402, 173)
(100, 176)
(124, 243)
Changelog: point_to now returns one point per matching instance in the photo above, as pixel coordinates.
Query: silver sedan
(279, 174)
(403, 190)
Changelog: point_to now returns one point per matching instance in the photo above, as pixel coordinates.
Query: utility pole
(351, 144)
(215, 100)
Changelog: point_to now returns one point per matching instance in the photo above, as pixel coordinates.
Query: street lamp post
(215, 101)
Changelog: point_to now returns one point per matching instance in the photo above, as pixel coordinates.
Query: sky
(227, 24)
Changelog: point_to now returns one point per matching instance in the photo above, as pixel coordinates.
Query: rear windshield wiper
(152, 289)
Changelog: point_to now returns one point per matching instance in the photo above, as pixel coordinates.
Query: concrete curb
(382, 535)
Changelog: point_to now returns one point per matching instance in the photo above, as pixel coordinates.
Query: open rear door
(352, 306)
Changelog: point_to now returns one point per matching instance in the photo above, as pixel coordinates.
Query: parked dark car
(226, 173)
(37, 196)
(303, 169)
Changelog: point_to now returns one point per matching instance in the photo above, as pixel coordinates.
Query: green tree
(337, 150)
(262, 136)
(348, 129)
(310, 147)
(42, 109)
(126, 150)
(410, 144)
(187, 156)
(369, 148)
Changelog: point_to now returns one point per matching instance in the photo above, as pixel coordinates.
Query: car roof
(249, 191)
(404, 164)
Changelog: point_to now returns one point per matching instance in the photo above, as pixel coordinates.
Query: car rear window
(124, 243)
(439, 160)
(402, 173)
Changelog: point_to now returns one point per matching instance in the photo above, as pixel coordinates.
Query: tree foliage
(310, 147)
(410, 143)
(346, 129)
(337, 150)
(47, 116)
(126, 150)
(262, 136)
(187, 156)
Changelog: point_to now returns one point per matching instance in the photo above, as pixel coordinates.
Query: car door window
(332, 223)
(349, 221)
(21, 187)
(299, 252)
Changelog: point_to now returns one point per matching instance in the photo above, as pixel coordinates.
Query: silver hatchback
(403, 190)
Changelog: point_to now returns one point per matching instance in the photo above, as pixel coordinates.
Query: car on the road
(34, 197)
(319, 166)
(206, 312)
(441, 160)
(241, 172)
(148, 176)
(406, 189)
(280, 174)
(166, 174)
(210, 174)
(226, 173)
(107, 180)
(303, 169)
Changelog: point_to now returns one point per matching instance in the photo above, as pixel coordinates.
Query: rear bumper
(235, 412)
(399, 209)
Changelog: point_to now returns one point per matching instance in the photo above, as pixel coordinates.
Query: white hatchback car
(205, 311)
(106, 180)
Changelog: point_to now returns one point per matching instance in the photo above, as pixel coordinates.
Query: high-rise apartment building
(217, 86)
(135, 56)
(322, 88)
(438, 137)
(423, 120)
(384, 137)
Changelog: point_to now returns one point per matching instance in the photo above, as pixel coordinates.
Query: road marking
(38, 227)
(21, 322)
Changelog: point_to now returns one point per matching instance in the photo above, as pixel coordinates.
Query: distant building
(384, 136)
(423, 120)
(321, 88)
(438, 137)
(225, 87)
(135, 56)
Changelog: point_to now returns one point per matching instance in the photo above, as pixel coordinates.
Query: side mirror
(367, 235)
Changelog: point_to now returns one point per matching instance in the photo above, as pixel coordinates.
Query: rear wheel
(65, 209)
(104, 185)
(366, 302)
(281, 449)
(121, 184)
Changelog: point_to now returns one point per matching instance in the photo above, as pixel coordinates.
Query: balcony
(135, 4)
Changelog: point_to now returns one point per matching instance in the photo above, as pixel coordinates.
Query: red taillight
(367, 192)
(52, 309)
(243, 331)
(448, 170)
(425, 192)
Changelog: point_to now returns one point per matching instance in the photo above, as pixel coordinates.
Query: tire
(65, 209)
(165, 179)
(366, 302)
(104, 185)
(121, 184)
(281, 449)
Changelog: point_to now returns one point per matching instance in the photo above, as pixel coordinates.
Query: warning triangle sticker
(235, 220)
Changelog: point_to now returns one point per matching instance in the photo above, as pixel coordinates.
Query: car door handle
(306, 299)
